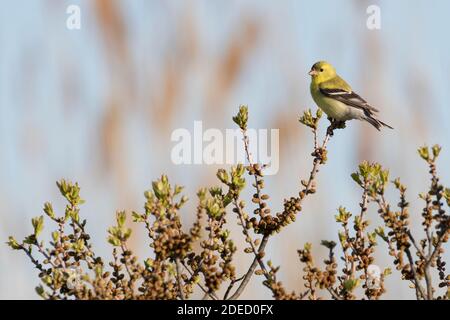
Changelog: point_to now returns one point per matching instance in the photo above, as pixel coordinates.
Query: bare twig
(334, 294)
(212, 295)
(417, 284)
(382, 203)
(413, 241)
(231, 285)
(307, 189)
(180, 285)
(251, 270)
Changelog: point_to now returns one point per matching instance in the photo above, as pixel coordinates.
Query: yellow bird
(336, 98)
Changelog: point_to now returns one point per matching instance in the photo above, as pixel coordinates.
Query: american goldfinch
(336, 98)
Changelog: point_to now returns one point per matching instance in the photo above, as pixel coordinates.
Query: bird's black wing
(350, 98)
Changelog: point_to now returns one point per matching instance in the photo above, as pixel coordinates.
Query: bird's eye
(321, 69)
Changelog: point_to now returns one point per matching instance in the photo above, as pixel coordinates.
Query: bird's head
(322, 71)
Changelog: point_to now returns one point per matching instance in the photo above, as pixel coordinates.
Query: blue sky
(48, 132)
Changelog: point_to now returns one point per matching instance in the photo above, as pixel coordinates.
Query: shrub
(69, 267)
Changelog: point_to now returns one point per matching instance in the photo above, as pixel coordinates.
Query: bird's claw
(334, 124)
(330, 130)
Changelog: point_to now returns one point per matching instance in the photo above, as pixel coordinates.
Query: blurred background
(98, 106)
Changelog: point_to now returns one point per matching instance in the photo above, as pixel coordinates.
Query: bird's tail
(377, 123)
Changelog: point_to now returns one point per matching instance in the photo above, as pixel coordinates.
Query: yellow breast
(333, 108)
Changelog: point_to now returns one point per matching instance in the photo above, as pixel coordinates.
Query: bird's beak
(312, 72)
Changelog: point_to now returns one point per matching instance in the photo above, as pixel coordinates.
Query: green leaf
(63, 187)
(342, 238)
(40, 291)
(364, 170)
(380, 232)
(98, 269)
(237, 171)
(201, 194)
(78, 245)
(55, 236)
(137, 217)
(328, 244)
(447, 195)
(48, 209)
(114, 241)
(38, 225)
(148, 263)
(31, 239)
(436, 150)
(222, 175)
(424, 153)
(148, 195)
(308, 120)
(227, 199)
(177, 190)
(355, 177)
(13, 243)
(215, 192)
(213, 208)
(350, 284)
(307, 247)
(74, 214)
(241, 118)
(70, 191)
(372, 238)
(121, 216)
(319, 113)
(126, 234)
(161, 188)
(343, 215)
(48, 280)
(384, 177)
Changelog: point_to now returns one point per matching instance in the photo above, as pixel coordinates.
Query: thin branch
(334, 294)
(428, 282)
(212, 295)
(382, 203)
(304, 294)
(124, 249)
(413, 241)
(251, 270)
(46, 256)
(306, 191)
(232, 283)
(180, 285)
(416, 278)
(437, 247)
(257, 252)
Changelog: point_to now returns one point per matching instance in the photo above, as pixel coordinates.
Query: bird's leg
(340, 125)
(334, 124)
(331, 128)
